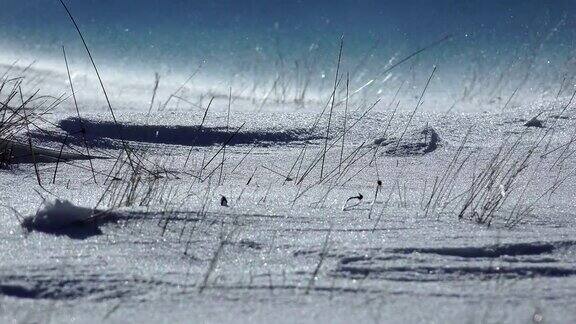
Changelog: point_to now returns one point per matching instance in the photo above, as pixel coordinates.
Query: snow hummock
(61, 217)
(417, 142)
(534, 122)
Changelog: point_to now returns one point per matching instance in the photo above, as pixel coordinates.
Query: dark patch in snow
(493, 251)
(515, 261)
(13, 152)
(98, 131)
(69, 284)
(418, 142)
(250, 244)
(63, 218)
(451, 272)
(534, 122)
(18, 291)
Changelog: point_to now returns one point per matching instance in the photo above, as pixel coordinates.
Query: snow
(57, 214)
(62, 217)
(150, 239)
(18, 151)
(416, 142)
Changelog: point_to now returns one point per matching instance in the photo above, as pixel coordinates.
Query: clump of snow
(534, 122)
(61, 217)
(418, 142)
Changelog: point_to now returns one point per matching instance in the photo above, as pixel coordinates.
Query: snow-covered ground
(250, 210)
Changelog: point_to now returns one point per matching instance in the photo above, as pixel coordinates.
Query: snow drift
(418, 142)
(61, 217)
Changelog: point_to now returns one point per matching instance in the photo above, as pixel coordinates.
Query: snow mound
(417, 142)
(61, 217)
(534, 122)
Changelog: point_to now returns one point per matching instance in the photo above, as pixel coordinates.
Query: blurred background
(495, 47)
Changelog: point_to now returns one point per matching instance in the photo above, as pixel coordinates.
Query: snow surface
(284, 250)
